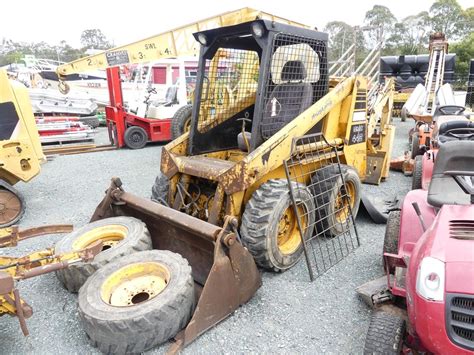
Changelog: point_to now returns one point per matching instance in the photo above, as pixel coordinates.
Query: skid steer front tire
(269, 227)
(120, 235)
(137, 302)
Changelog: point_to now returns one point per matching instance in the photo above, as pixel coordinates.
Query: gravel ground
(287, 315)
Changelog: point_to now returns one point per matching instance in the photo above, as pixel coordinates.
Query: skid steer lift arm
(14, 269)
(170, 44)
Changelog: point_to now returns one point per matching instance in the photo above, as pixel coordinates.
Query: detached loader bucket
(224, 272)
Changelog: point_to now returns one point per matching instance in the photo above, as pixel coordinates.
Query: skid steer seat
(444, 190)
(288, 99)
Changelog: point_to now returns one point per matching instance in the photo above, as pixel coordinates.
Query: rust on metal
(220, 265)
(16, 235)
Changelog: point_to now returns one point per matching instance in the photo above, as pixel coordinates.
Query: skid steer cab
(222, 205)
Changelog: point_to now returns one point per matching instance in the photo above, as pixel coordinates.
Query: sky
(127, 21)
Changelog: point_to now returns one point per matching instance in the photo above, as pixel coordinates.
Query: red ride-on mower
(425, 302)
(451, 124)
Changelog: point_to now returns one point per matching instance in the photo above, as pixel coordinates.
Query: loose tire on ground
(385, 334)
(120, 235)
(137, 321)
(181, 121)
(135, 137)
(269, 227)
(392, 233)
(12, 205)
(159, 190)
(415, 146)
(416, 182)
(326, 187)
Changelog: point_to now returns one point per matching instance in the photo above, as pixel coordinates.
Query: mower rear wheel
(269, 227)
(181, 122)
(137, 302)
(392, 233)
(120, 236)
(159, 190)
(415, 146)
(332, 215)
(12, 205)
(385, 334)
(135, 137)
(416, 182)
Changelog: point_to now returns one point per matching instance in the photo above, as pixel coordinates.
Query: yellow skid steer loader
(222, 201)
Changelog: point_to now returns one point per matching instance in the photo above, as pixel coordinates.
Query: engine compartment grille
(460, 319)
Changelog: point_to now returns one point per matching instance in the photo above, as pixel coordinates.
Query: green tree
(464, 53)
(382, 19)
(447, 16)
(409, 36)
(94, 39)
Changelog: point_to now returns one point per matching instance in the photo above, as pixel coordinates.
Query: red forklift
(127, 128)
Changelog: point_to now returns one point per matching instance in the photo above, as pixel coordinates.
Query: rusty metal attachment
(37, 263)
(224, 272)
(327, 229)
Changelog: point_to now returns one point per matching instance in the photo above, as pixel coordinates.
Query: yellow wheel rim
(134, 284)
(109, 235)
(343, 202)
(289, 238)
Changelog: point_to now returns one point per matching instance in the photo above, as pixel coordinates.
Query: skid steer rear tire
(159, 190)
(385, 334)
(181, 121)
(137, 238)
(137, 326)
(261, 219)
(326, 184)
(416, 182)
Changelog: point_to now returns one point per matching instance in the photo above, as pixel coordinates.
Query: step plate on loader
(331, 235)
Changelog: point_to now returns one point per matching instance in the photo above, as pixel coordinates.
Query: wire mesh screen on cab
(230, 86)
(297, 79)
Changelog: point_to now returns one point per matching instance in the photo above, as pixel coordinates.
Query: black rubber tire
(160, 189)
(137, 239)
(135, 137)
(179, 120)
(325, 193)
(385, 334)
(136, 328)
(5, 186)
(392, 234)
(415, 146)
(260, 220)
(403, 114)
(416, 182)
(91, 121)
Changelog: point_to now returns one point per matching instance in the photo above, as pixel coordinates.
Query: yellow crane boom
(170, 44)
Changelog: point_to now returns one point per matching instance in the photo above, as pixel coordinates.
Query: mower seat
(288, 99)
(444, 190)
(446, 126)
